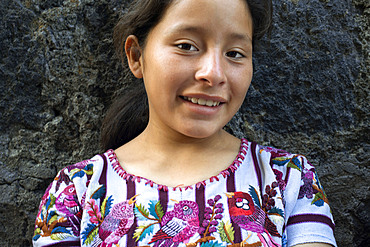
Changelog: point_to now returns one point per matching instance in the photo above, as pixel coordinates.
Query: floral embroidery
(311, 186)
(50, 224)
(279, 178)
(226, 231)
(80, 172)
(108, 224)
(251, 216)
(307, 188)
(281, 158)
(155, 213)
(211, 215)
(268, 201)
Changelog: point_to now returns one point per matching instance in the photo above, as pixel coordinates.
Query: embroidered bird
(250, 217)
(67, 201)
(178, 225)
(117, 223)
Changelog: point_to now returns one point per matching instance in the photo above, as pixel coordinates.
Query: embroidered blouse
(266, 197)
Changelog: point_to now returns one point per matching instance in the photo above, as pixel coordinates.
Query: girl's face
(197, 66)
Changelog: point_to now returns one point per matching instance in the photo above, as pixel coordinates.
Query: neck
(162, 156)
(172, 142)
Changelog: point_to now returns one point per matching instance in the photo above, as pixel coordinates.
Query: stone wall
(58, 75)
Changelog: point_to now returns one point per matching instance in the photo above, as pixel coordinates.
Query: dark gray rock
(310, 94)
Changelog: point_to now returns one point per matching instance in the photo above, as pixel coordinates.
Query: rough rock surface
(310, 94)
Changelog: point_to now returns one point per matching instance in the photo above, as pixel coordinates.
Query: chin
(200, 133)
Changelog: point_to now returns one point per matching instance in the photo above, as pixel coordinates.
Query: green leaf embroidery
(60, 236)
(143, 230)
(156, 210)
(106, 206)
(37, 231)
(138, 232)
(226, 232)
(318, 196)
(54, 218)
(91, 235)
(89, 172)
(74, 171)
(89, 169)
(52, 201)
(292, 165)
(159, 210)
(280, 161)
(289, 162)
(141, 212)
(102, 208)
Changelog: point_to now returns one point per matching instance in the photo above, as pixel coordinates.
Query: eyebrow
(193, 29)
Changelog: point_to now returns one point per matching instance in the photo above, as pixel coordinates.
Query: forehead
(225, 16)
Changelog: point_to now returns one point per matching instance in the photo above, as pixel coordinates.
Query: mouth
(203, 102)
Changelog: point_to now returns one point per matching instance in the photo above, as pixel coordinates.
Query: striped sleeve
(308, 218)
(59, 218)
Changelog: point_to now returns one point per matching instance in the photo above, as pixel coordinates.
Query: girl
(175, 177)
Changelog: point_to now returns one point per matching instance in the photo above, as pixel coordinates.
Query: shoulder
(86, 168)
(291, 170)
(282, 160)
(63, 202)
(76, 177)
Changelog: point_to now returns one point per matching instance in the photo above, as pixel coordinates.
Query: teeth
(202, 101)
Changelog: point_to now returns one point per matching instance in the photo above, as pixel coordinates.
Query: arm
(58, 219)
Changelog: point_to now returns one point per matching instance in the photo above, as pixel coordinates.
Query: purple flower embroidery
(279, 178)
(307, 189)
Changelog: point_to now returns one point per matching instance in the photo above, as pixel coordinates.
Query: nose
(211, 68)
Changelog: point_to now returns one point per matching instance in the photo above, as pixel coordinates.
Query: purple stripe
(103, 175)
(230, 187)
(200, 198)
(287, 175)
(230, 182)
(65, 244)
(302, 218)
(256, 166)
(163, 198)
(131, 190)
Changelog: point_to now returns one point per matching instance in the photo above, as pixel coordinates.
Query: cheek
(243, 81)
(240, 90)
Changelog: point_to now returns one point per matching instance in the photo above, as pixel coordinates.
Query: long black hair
(129, 114)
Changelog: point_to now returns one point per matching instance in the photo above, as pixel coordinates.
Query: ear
(133, 54)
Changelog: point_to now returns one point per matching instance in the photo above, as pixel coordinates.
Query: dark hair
(129, 114)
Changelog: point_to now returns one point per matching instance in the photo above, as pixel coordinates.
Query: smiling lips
(204, 102)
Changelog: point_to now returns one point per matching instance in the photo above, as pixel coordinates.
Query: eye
(187, 47)
(234, 54)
